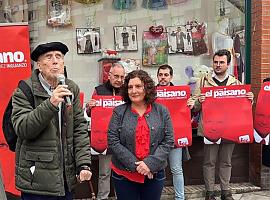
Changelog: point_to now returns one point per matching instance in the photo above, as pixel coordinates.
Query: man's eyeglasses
(115, 76)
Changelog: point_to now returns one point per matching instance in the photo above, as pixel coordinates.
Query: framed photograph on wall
(179, 39)
(88, 40)
(155, 49)
(125, 38)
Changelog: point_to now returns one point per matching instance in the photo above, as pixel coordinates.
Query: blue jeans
(175, 159)
(151, 189)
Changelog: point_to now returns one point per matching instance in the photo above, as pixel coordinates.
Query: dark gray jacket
(52, 157)
(121, 137)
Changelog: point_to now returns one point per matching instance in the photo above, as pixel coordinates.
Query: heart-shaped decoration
(156, 30)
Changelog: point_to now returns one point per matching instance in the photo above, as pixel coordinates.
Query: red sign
(175, 99)
(81, 98)
(100, 118)
(262, 115)
(227, 114)
(14, 66)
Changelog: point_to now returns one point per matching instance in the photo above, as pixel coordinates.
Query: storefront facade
(194, 30)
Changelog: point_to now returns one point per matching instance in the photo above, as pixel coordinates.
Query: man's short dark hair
(223, 52)
(165, 67)
(149, 86)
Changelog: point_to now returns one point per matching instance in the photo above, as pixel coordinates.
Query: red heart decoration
(156, 30)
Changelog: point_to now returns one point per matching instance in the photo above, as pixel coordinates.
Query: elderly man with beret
(52, 151)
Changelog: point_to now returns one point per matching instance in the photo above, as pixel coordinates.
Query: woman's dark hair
(149, 86)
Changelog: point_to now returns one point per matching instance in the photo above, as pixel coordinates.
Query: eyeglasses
(115, 76)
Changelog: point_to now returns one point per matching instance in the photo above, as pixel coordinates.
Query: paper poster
(262, 115)
(227, 115)
(100, 118)
(14, 66)
(175, 99)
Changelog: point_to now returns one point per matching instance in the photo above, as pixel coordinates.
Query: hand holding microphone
(61, 93)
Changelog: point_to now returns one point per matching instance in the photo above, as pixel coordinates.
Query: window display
(192, 32)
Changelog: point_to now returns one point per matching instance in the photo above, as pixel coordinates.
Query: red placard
(227, 114)
(100, 118)
(175, 99)
(14, 66)
(262, 115)
(82, 98)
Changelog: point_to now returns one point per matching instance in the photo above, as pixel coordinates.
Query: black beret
(50, 46)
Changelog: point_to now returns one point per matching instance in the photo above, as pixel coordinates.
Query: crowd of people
(53, 150)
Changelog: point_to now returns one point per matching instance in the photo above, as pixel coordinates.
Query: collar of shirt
(206, 141)
(45, 84)
(148, 109)
(259, 139)
(220, 80)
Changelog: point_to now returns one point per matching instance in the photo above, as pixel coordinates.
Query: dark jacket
(56, 157)
(121, 137)
(106, 89)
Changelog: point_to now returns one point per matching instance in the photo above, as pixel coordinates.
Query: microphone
(61, 81)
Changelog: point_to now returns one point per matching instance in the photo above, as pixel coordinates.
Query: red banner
(100, 118)
(227, 114)
(14, 66)
(262, 115)
(175, 99)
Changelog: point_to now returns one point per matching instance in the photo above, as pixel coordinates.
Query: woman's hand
(143, 169)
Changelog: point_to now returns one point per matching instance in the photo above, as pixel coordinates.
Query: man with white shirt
(217, 152)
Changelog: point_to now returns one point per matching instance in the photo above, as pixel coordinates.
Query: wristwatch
(85, 167)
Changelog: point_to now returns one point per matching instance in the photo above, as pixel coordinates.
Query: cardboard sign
(262, 115)
(100, 118)
(227, 114)
(14, 66)
(175, 99)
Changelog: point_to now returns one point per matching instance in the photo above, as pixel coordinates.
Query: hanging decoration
(124, 4)
(222, 9)
(59, 13)
(171, 2)
(125, 38)
(154, 4)
(189, 38)
(154, 49)
(88, 40)
(87, 1)
(156, 30)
